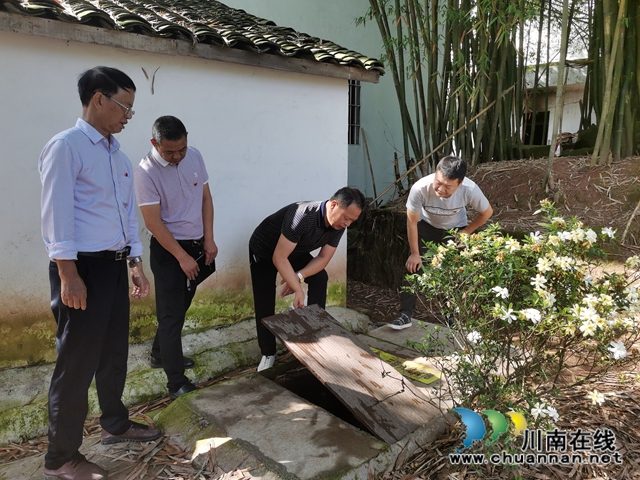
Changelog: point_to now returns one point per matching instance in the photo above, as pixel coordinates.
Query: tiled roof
(203, 21)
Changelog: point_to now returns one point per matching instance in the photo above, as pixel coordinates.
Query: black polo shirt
(301, 223)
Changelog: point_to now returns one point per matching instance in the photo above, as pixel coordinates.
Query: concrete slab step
(252, 422)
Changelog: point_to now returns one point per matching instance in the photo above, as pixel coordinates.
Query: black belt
(109, 254)
(191, 243)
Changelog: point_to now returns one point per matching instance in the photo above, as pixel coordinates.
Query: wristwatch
(300, 277)
(134, 261)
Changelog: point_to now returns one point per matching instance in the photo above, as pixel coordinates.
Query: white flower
(544, 265)
(633, 262)
(576, 235)
(564, 236)
(474, 337)
(558, 221)
(611, 233)
(532, 314)
(592, 320)
(590, 300)
(618, 350)
(564, 263)
(553, 413)
(553, 240)
(548, 298)
(538, 281)
(631, 294)
(591, 236)
(588, 280)
(507, 315)
(596, 397)
(453, 359)
(539, 410)
(512, 245)
(606, 300)
(500, 292)
(588, 328)
(536, 237)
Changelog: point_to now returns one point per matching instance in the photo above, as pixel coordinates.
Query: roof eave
(16, 23)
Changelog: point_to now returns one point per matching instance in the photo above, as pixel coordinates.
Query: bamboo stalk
(426, 157)
(557, 118)
(601, 150)
(366, 149)
(626, 228)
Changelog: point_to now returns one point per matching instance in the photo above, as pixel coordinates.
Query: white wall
(269, 138)
(380, 115)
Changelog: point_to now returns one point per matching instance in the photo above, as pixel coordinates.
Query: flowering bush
(530, 314)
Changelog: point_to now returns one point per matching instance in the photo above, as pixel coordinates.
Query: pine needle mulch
(620, 413)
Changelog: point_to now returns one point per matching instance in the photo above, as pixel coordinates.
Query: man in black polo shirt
(282, 244)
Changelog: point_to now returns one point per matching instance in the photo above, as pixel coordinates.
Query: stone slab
(277, 431)
(417, 333)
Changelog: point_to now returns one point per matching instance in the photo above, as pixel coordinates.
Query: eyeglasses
(128, 111)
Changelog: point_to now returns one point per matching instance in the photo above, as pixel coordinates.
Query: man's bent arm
(320, 262)
(154, 223)
(477, 222)
(280, 259)
(414, 262)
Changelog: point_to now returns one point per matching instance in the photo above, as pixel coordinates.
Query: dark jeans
(91, 342)
(426, 233)
(173, 299)
(263, 282)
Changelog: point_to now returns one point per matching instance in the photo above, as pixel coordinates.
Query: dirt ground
(599, 196)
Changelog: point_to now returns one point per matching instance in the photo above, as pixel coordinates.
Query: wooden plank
(389, 406)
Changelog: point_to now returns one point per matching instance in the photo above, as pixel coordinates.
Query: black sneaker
(450, 320)
(186, 388)
(403, 321)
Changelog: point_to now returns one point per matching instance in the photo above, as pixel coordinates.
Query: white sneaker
(266, 362)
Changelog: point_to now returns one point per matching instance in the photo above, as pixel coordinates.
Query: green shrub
(528, 312)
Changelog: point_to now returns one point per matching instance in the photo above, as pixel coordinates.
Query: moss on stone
(22, 423)
(337, 294)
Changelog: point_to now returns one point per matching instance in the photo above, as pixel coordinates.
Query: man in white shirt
(90, 229)
(436, 204)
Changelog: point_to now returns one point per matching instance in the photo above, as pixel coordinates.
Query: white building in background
(379, 114)
(545, 106)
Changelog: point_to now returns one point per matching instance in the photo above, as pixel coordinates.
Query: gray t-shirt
(177, 188)
(445, 213)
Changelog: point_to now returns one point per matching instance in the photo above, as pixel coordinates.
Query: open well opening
(296, 378)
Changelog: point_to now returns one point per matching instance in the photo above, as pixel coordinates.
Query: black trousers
(426, 233)
(263, 282)
(91, 342)
(173, 299)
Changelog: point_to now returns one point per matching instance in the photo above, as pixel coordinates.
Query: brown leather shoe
(78, 469)
(136, 433)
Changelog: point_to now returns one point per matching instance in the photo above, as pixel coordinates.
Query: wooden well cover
(378, 396)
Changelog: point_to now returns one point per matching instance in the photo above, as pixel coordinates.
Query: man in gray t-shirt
(438, 203)
(172, 189)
